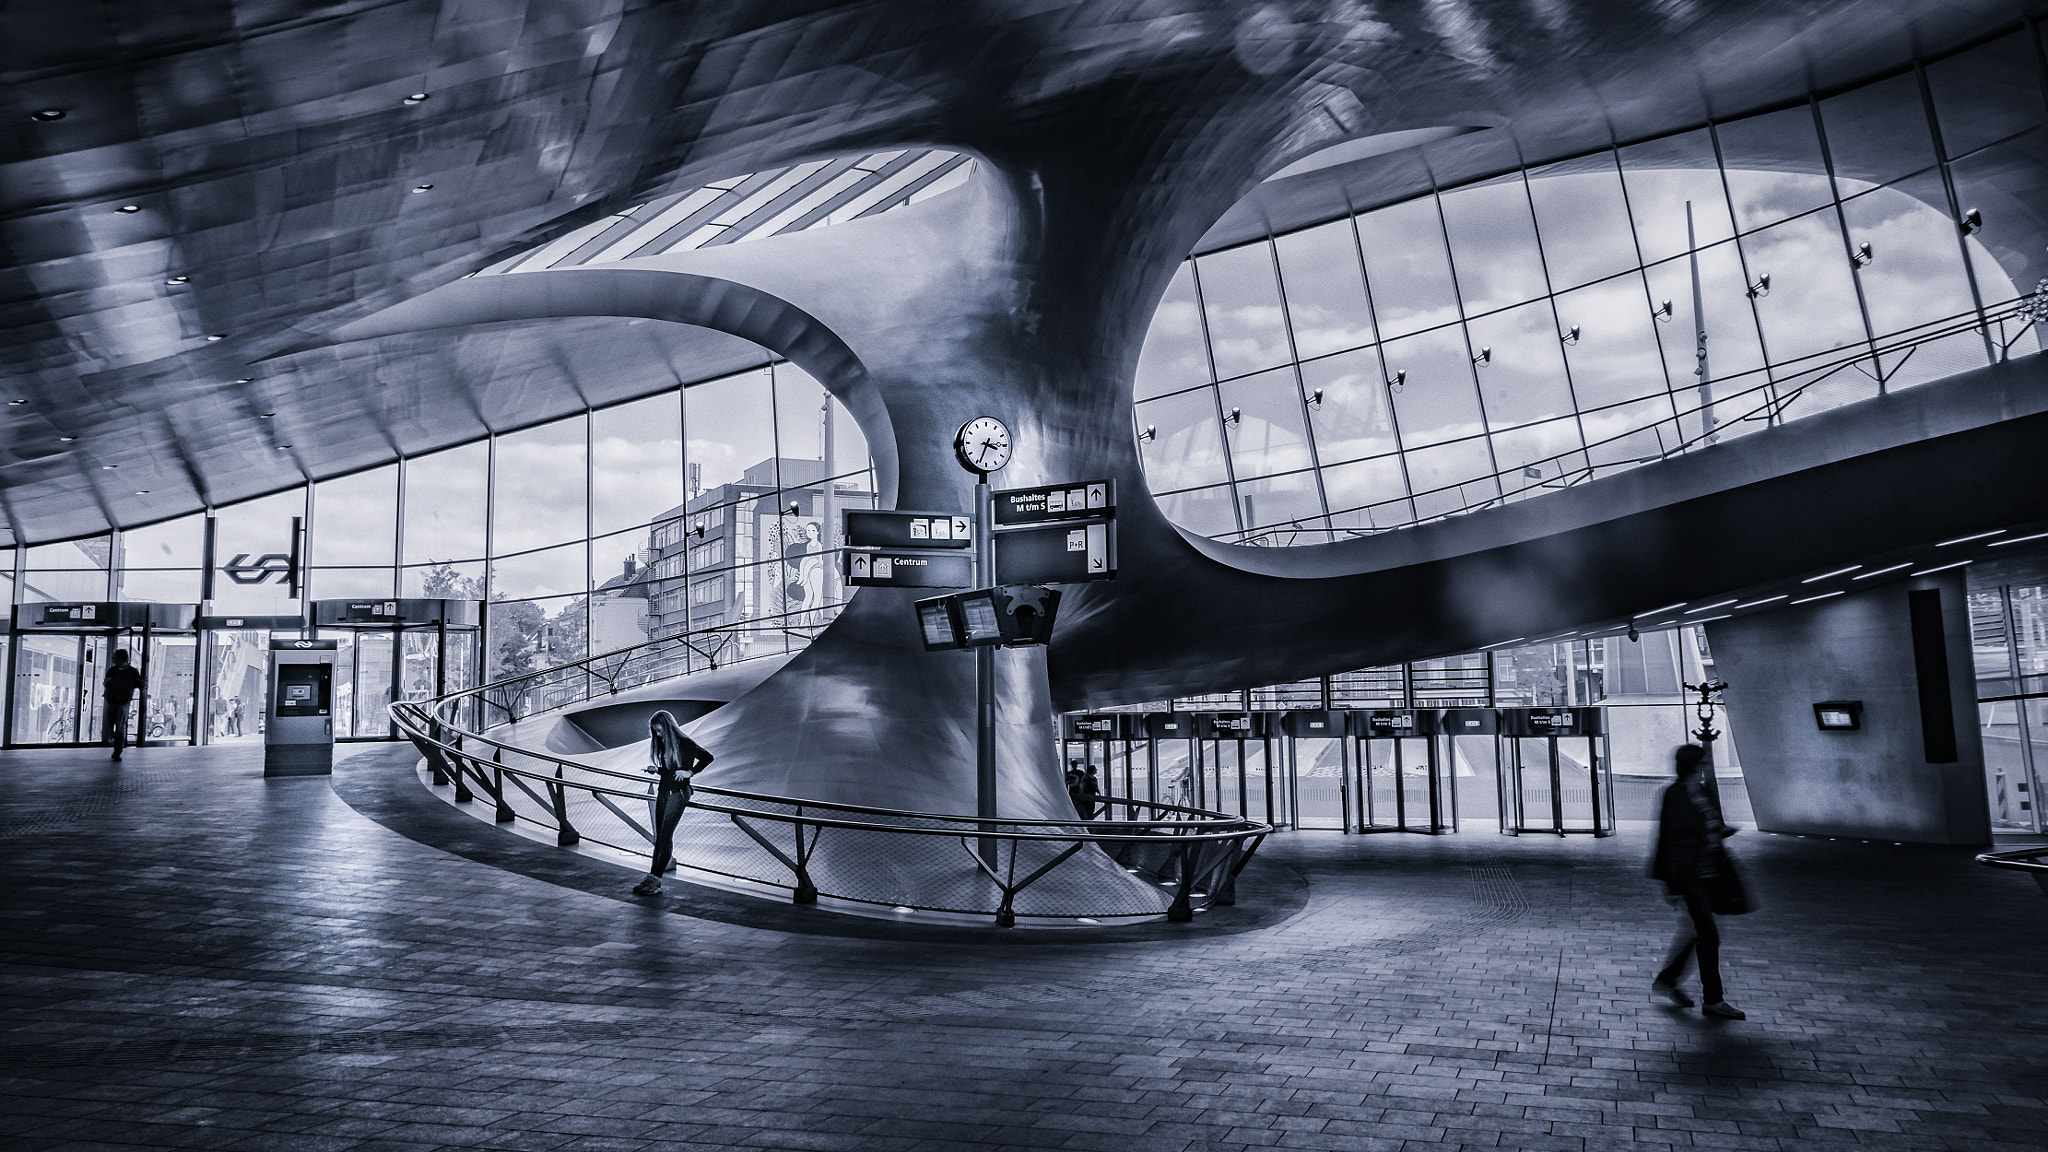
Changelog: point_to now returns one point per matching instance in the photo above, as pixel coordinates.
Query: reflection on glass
(1493, 243)
(1407, 268)
(356, 519)
(1583, 218)
(548, 572)
(1987, 94)
(1368, 494)
(1522, 378)
(1450, 476)
(238, 661)
(1267, 435)
(1174, 356)
(62, 587)
(159, 585)
(1325, 289)
(1292, 505)
(1437, 400)
(445, 504)
(1735, 355)
(1204, 511)
(1615, 356)
(1242, 303)
(1774, 166)
(1545, 452)
(176, 543)
(1186, 448)
(1349, 406)
(1812, 305)
(1917, 274)
(1878, 133)
(338, 583)
(731, 427)
(88, 553)
(2006, 253)
(539, 487)
(1661, 177)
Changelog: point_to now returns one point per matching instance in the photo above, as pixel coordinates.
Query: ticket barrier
(1224, 778)
(1468, 742)
(61, 655)
(1105, 743)
(1170, 745)
(1403, 784)
(1318, 752)
(1556, 777)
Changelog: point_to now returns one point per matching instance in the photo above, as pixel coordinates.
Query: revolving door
(61, 656)
(1555, 774)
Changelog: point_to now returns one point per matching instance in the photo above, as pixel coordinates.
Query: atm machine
(298, 733)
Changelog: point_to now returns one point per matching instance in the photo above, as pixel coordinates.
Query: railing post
(505, 815)
(565, 833)
(1181, 911)
(462, 793)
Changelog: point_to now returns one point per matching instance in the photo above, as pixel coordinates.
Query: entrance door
(237, 659)
(372, 673)
(1403, 789)
(1321, 798)
(1556, 784)
(172, 681)
(48, 696)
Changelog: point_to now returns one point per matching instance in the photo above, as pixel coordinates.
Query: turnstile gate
(1404, 784)
(1555, 774)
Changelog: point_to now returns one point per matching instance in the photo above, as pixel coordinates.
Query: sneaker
(647, 887)
(1723, 1010)
(1669, 991)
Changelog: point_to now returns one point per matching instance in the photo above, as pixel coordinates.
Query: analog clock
(983, 445)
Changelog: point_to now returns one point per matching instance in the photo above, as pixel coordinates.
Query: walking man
(119, 687)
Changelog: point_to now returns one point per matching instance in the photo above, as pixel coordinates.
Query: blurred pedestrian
(119, 686)
(1697, 875)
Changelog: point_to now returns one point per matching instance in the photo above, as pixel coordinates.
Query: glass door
(47, 672)
(1321, 798)
(173, 680)
(237, 662)
(372, 675)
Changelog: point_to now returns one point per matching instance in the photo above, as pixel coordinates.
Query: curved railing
(1158, 859)
(1741, 402)
(2033, 861)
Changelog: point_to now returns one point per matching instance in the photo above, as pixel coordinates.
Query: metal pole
(984, 675)
(1699, 326)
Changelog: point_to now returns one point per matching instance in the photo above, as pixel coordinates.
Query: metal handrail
(1196, 853)
(1777, 396)
(2032, 860)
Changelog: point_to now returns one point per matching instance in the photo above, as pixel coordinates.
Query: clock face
(983, 444)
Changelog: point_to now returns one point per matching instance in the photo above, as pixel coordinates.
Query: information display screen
(978, 619)
(937, 623)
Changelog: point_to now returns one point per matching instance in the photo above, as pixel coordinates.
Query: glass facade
(701, 505)
(1489, 342)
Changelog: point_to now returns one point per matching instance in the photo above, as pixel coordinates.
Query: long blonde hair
(665, 738)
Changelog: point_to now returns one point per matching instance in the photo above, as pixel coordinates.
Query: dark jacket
(121, 683)
(1688, 831)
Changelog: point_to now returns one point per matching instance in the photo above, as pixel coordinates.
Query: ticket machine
(298, 734)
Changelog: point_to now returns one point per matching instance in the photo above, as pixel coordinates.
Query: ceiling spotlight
(1400, 378)
(129, 208)
(1662, 312)
(217, 336)
(415, 98)
(1150, 433)
(1863, 256)
(179, 280)
(1571, 337)
(421, 187)
(1485, 356)
(1633, 634)
(1973, 222)
(46, 115)
(1761, 288)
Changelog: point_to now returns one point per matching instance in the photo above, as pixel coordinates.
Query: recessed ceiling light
(17, 401)
(282, 447)
(1882, 571)
(1654, 611)
(66, 439)
(1943, 568)
(265, 415)
(416, 98)
(1709, 607)
(421, 187)
(108, 467)
(2021, 539)
(217, 336)
(46, 115)
(129, 208)
(1967, 539)
(1822, 596)
(1827, 575)
(142, 491)
(179, 280)
(246, 380)
(1765, 600)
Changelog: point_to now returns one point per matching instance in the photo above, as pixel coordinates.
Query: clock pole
(984, 672)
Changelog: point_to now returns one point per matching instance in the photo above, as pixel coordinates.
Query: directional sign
(865, 529)
(1057, 553)
(893, 568)
(1083, 500)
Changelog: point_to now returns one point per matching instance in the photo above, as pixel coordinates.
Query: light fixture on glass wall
(1662, 312)
(792, 510)
(1485, 356)
(697, 529)
(1863, 255)
(1973, 222)
(1761, 288)
(1633, 634)
(1400, 378)
(1315, 400)
(1233, 416)
(1571, 337)
(1150, 434)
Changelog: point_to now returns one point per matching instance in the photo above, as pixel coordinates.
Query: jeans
(668, 812)
(1697, 934)
(114, 725)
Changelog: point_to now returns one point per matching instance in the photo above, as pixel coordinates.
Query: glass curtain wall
(1493, 341)
(571, 531)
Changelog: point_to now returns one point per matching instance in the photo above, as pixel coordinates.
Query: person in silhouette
(676, 758)
(119, 687)
(1689, 835)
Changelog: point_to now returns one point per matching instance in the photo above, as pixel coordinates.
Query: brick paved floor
(193, 957)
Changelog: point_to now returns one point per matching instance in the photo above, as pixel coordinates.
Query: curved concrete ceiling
(189, 189)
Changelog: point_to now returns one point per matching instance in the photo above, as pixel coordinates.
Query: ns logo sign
(243, 570)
